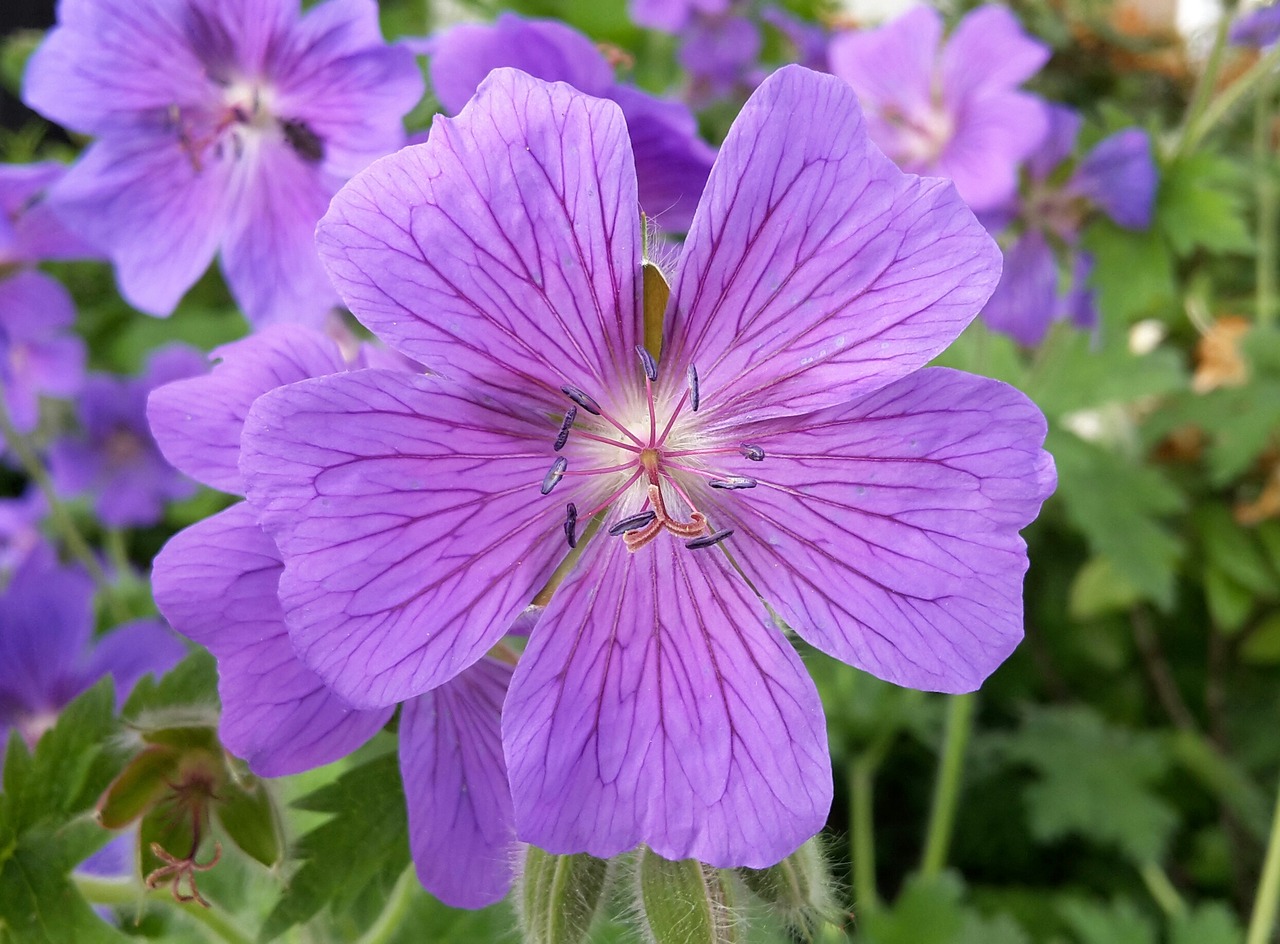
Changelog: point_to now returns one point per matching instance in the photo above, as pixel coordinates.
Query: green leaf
(1095, 781)
(1100, 588)
(1132, 274)
(1119, 923)
(1213, 923)
(1262, 646)
(185, 697)
(1001, 929)
(1076, 372)
(1200, 206)
(1235, 551)
(1121, 506)
(927, 912)
(363, 849)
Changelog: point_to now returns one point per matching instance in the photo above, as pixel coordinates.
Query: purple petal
(673, 15)
(36, 233)
(885, 532)
(216, 584)
(455, 781)
(140, 199)
(1025, 302)
(197, 422)
(1058, 143)
(892, 65)
(409, 522)
(506, 248)
(463, 55)
(131, 651)
(657, 703)
(38, 354)
(988, 52)
(997, 134)
(1120, 176)
(1259, 28)
(1079, 306)
(812, 256)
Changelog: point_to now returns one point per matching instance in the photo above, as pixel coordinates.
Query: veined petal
(216, 584)
(461, 827)
(407, 514)
(885, 532)
(506, 248)
(1025, 302)
(657, 703)
(815, 270)
(197, 422)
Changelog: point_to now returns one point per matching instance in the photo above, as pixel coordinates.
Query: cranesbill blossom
(673, 15)
(952, 110)
(220, 124)
(216, 584)
(672, 162)
(19, 529)
(1258, 28)
(786, 429)
(48, 654)
(1117, 179)
(113, 458)
(722, 56)
(38, 354)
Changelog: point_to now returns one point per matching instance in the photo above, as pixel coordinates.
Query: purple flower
(874, 504)
(114, 458)
(1117, 178)
(722, 56)
(672, 162)
(221, 124)
(809, 40)
(19, 529)
(216, 582)
(48, 654)
(1258, 28)
(953, 109)
(37, 353)
(673, 15)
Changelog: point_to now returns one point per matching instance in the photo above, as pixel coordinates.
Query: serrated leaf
(1001, 929)
(1132, 274)
(1121, 506)
(1119, 923)
(927, 912)
(1199, 206)
(1213, 923)
(1094, 781)
(186, 696)
(1079, 373)
(363, 848)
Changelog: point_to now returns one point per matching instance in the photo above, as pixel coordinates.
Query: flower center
(243, 117)
(921, 136)
(662, 465)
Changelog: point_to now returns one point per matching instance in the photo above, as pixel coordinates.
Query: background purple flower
(113, 458)
(672, 162)
(722, 56)
(876, 505)
(673, 15)
(221, 125)
(949, 109)
(1258, 28)
(19, 529)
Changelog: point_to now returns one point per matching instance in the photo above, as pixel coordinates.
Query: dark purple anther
(562, 437)
(571, 523)
(754, 453)
(708, 540)
(634, 523)
(580, 398)
(733, 482)
(695, 397)
(554, 475)
(648, 363)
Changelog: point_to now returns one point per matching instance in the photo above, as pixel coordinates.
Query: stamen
(554, 475)
(571, 524)
(734, 482)
(754, 453)
(582, 399)
(695, 396)
(562, 437)
(647, 362)
(633, 523)
(708, 540)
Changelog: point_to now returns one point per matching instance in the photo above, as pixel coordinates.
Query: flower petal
(131, 651)
(216, 584)
(657, 703)
(998, 133)
(197, 422)
(455, 782)
(38, 352)
(816, 270)
(408, 518)
(989, 52)
(1120, 176)
(506, 248)
(885, 532)
(1025, 302)
(892, 65)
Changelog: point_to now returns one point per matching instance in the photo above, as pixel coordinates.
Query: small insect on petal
(647, 362)
(571, 523)
(708, 540)
(562, 437)
(580, 398)
(754, 453)
(695, 395)
(634, 523)
(305, 142)
(554, 475)
(734, 482)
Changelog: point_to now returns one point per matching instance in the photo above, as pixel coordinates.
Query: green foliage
(1119, 923)
(1200, 205)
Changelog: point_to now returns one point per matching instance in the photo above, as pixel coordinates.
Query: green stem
(1263, 920)
(1162, 890)
(1221, 106)
(1205, 84)
(862, 774)
(101, 891)
(1268, 217)
(946, 792)
(396, 908)
(58, 514)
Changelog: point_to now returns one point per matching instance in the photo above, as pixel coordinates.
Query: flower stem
(861, 823)
(100, 891)
(1263, 920)
(1162, 890)
(382, 930)
(1203, 91)
(1268, 217)
(1195, 131)
(946, 792)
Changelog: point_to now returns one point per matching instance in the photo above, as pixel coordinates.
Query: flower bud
(797, 889)
(685, 902)
(559, 895)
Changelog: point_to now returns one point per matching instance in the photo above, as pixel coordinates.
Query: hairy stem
(1218, 109)
(100, 891)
